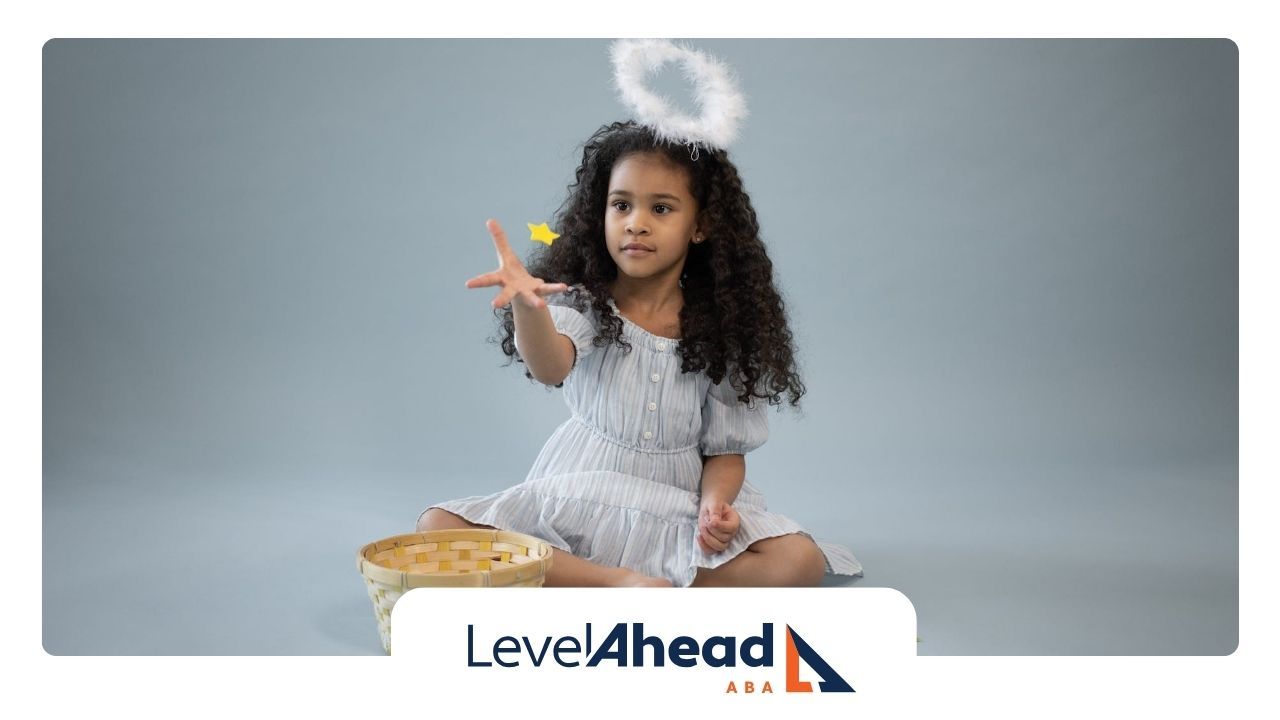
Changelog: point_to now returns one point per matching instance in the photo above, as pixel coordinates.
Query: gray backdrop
(1011, 268)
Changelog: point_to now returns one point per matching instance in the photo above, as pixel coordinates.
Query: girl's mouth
(634, 249)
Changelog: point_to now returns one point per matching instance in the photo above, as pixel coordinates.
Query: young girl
(662, 324)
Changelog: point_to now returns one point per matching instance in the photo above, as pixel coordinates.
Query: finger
(723, 524)
(551, 289)
(499, 240)
(714, 543)
(720, 535)
(485, 280)
(502, 299)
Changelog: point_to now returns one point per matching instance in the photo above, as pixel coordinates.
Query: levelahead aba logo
(756, 648)
(628, 645)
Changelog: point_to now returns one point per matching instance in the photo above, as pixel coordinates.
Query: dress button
(653, 406)
(647, 435)
(655, 377)
(662, 346)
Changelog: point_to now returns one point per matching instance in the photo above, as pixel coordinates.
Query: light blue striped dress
(618, 482)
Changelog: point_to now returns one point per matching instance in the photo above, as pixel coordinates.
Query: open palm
(516, 282)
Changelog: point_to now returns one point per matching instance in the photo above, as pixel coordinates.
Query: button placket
(652, 405)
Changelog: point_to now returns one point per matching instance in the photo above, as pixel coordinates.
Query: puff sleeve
(575, 325)
(731, 427)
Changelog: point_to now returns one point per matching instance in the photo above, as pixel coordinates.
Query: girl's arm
(548, 354)
(718, 522)
(722, 477)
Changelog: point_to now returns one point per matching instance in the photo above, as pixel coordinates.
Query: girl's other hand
(717, 524)
(516, 282)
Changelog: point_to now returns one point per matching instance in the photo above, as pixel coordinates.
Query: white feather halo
(722, 103)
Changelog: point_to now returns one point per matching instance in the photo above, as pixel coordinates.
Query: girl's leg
(785, 561)
(566, 570)
(572, 571)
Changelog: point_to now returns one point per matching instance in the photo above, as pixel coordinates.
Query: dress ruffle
(619, 520)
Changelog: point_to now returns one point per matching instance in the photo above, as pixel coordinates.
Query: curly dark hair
(733, 321)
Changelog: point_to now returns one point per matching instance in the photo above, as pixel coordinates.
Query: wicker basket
(448, 558)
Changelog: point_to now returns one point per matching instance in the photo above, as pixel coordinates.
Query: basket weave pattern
(473, 557)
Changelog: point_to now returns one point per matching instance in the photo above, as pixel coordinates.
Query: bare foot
(630, 578)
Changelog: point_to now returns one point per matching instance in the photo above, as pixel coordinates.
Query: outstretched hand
(717, 524)
(516, 282)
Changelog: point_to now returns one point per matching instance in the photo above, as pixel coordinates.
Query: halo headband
(722, 103)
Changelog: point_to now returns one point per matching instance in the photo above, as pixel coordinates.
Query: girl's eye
(621, 206)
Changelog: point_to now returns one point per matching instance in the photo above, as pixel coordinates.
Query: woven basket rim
(539, 552)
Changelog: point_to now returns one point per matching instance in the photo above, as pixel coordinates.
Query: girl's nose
(637, 229)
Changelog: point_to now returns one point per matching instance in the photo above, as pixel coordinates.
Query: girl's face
(650, 216)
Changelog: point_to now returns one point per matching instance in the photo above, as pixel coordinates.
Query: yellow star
(541, 233)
